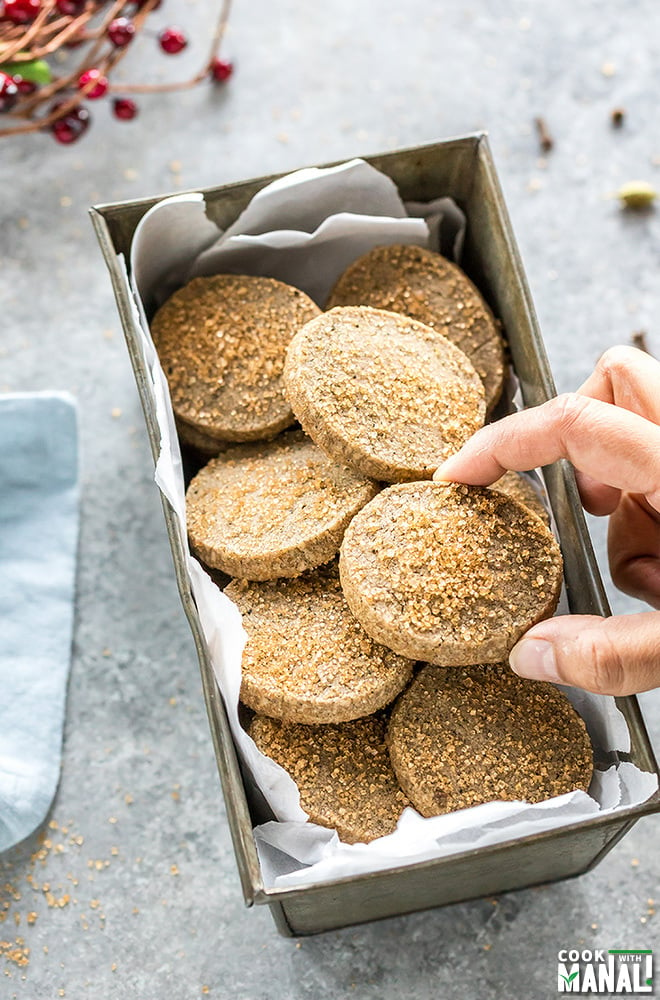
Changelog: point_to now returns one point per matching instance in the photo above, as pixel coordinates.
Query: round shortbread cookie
(449, 574)
(381, 392)
(521, 489)
(273, 509)
(426, 286)
(343, 772)
(458, 738)
(221, 342)
(307, 659)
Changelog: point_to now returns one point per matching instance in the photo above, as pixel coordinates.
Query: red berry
(70, 8)
(121, 31)
(221, 70)
(22, 11)
(124, 108)
(172, 40)
(71, 125)
(95, 81)
(24, 86)
(8, 92)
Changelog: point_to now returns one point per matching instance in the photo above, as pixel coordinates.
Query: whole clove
(546, 141)
(638, 339)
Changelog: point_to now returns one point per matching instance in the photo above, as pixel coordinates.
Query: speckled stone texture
(313, 83)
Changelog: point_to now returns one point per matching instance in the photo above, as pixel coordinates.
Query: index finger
(608, 443)
(628, 378)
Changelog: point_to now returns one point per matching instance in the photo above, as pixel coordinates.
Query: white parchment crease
(305, 229)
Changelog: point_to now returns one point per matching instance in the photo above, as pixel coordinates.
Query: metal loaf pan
(463, 169)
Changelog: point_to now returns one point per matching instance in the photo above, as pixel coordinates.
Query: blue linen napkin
(39, 515)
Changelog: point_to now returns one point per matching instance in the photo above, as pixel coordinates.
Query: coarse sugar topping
(307, 659)
(425, 286)
(451, 560)
(263, 499)
(383, 388)
(520, 488)
(343, 772)
(458, 738)
(222, 342)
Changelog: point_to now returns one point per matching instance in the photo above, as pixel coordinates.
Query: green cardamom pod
(637, 194)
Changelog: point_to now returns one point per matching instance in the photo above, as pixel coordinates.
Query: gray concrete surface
(135, 891)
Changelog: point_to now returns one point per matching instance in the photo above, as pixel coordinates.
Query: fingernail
(534, 658)
(440, 476)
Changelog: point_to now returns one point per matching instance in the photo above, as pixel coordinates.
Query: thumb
(616, 656)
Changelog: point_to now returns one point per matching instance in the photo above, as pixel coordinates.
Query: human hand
(610, 430)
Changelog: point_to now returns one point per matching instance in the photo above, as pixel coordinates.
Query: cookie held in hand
(520, 488)
(449, 574)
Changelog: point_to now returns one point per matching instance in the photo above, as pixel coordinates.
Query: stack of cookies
(362, 584)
